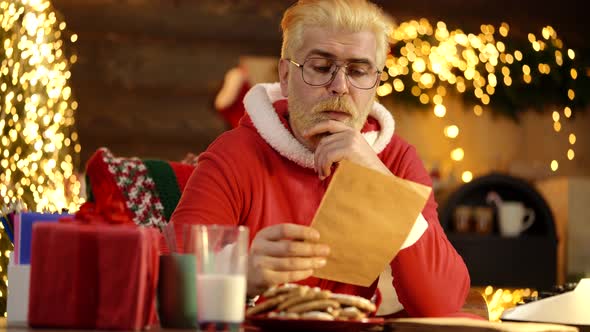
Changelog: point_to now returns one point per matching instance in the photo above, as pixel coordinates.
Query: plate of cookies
(292, 307)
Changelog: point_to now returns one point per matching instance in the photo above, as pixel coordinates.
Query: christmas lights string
(489, 70)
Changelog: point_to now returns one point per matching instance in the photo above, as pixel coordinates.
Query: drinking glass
(221, 264)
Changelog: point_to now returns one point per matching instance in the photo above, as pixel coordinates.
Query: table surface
(394, 325)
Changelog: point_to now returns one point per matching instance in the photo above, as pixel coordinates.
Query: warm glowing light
(554, 165)
(36, 109)
(384, 90)
(558, 58)
(416, 91)
(574, 73)
(424, 99)
(398, 85)
(571, 54)
(571, 94)
(504, 28)
(572, 139)
(457, 154)
(451, 131)
(440, 111)
(432, 59)
(501, 299)
(467, 176)
(531, 37)
(478, 110)
(437, 99)
(570, 154)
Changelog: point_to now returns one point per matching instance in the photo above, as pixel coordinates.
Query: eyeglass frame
(334, 73)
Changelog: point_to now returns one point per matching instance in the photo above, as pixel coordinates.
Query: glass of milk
(222, 260)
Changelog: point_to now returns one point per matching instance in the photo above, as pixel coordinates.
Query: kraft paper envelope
(365, 216)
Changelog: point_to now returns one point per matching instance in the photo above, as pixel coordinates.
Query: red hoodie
(259, 175)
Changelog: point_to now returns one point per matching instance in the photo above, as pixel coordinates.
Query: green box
(177, 291)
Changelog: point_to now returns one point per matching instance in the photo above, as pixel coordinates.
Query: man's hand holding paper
(284, 253)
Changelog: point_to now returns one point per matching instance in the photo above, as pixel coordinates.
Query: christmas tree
(39, 149)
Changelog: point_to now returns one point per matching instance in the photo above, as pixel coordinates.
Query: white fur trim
(385, 119)
(418, 229)
(390, 303)
(259, 106)
(371, 137)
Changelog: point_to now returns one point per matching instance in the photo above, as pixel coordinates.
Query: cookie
(282, 314)
(351, 313)
(310, 294)
(317, 315)
(335, 312)
(314, 305)
(347, 300)
(267, 305)
(277, 290)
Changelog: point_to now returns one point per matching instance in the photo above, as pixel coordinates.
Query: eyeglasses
(322, 71)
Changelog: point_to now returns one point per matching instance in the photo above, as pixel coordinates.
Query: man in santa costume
(271, 172)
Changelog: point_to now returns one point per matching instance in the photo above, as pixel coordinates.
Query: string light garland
(39, 148)
(489, 70)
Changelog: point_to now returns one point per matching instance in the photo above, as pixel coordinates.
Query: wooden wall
(148, 71)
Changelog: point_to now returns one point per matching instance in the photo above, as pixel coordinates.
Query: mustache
(336, 103)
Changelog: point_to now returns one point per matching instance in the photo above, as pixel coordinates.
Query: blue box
(23, 232)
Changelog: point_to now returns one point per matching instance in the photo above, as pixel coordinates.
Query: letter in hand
(284, 253)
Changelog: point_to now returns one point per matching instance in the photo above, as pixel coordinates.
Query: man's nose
(339, 85)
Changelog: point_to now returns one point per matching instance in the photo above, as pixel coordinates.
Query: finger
(321, 149)
(328, 126)
(328, 155)
(281, 277)
(291, 249)
(341, 135)
(290, 263)
(330, 159)
(289, 231)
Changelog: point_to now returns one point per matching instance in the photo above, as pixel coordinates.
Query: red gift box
(93, 276)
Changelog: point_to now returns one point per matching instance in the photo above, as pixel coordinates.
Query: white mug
(514, 218)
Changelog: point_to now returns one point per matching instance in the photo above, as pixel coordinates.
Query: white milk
(221, 297)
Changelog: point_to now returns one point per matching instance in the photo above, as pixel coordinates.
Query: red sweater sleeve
(209, 196)
(430, 277)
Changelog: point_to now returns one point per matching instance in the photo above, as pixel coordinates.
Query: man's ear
(284, 77)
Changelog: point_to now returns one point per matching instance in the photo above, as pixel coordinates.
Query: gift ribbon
(109, 211)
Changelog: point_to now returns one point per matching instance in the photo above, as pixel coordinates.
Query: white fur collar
(259, 106)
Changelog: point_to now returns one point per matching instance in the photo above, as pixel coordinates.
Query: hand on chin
(335, 141)
(323, 125)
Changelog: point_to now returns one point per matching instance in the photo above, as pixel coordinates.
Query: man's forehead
(338, 44)
(324, 54)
